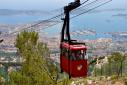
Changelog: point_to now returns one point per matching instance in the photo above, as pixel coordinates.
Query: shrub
(125, 80)
(114, 77)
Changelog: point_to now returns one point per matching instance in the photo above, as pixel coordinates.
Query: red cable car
(73, 59)
(72, 55)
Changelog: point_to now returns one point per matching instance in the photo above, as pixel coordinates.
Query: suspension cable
(91, 9)
(83, 12)
(61, 14)
(55, 17)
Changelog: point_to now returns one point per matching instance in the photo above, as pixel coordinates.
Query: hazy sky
(32, 4)
(48, 4)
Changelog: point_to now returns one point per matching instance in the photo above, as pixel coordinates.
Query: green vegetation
(115, 66)
(34, 70)
(125, 80)
(118, 58)
(2, 81)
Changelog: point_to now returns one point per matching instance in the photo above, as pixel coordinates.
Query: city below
(99, 46)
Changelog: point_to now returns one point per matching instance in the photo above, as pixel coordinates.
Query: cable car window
(65, 52)
(77, 55)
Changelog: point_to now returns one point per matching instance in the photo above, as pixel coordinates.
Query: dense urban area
(97, 48)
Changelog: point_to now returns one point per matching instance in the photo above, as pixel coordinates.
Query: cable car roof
(74, 47)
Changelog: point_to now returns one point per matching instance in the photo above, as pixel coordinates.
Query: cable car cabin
(72, 55)
(72, 59)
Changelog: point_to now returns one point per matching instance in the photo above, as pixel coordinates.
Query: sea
(102, 23)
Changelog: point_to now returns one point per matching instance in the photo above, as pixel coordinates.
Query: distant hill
(10, 12)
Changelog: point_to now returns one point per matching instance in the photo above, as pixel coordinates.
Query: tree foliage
(117, 58)
(33, 53)
(36, 68)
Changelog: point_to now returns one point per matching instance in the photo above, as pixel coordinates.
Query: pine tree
(33, 53)
(36, 69)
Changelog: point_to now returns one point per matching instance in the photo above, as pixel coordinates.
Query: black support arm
(66, 24)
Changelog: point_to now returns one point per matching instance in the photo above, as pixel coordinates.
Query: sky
(32, 4)
(47, 4)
